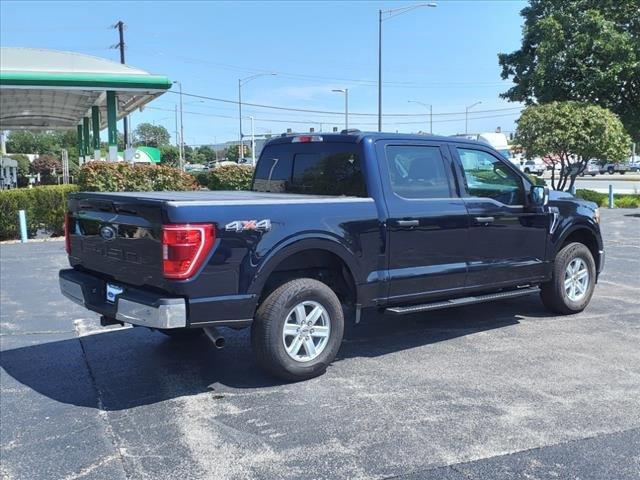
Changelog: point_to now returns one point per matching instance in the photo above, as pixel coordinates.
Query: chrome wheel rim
(306, 331)
(576, 279)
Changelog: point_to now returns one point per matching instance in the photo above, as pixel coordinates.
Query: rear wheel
(298, 329)
(571, 286)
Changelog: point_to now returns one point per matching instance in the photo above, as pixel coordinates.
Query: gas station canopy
(50, 89)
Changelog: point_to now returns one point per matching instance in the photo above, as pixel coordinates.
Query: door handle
(408, 223)
(485, 219)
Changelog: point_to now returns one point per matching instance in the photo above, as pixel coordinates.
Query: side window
(417, 172)
(489, 177)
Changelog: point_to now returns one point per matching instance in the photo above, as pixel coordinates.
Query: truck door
(427, 222)
(507, 241)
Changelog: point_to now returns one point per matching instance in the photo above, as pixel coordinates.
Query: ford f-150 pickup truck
(333, 223)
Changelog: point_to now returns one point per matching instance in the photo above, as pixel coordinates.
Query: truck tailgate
(119, 238)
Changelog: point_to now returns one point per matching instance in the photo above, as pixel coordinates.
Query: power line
(315, 122)
(326, 112)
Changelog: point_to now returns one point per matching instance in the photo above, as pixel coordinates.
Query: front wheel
(573, 280)
(298, 330)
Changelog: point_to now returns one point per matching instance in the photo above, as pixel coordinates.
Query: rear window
(311, 168)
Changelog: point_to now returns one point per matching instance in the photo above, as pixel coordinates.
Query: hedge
(231, 177)
(126, 177)
(620, 200)
(44, 207)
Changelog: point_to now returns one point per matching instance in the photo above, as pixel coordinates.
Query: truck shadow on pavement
(121, 369)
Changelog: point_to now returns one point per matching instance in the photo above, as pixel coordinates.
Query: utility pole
(181, 145)
(120, 45)
(253, 144)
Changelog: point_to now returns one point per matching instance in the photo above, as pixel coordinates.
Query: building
(8, 173)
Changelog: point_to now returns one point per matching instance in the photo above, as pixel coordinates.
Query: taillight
(185, 247)
(67, 237)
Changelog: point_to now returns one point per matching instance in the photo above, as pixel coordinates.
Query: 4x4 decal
(248, 225)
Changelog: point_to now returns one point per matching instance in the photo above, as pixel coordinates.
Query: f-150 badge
(248, 225)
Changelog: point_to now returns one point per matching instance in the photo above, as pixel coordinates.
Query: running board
(458, 302)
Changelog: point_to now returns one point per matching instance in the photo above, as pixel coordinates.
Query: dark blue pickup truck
(400, 223)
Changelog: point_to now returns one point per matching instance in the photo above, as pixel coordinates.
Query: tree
(568, 134)
(151, 135)
(231, 152)
(169, 155)
(48, 167)
(581, 50)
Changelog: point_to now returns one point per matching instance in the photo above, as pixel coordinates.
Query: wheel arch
(581, 234)
(312, 257)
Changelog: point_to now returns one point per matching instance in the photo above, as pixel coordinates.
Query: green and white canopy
(48, 89)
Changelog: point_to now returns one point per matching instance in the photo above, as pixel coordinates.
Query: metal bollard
(611, 205)
(23, 226)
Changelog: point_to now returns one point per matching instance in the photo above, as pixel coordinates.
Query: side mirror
(539, 195)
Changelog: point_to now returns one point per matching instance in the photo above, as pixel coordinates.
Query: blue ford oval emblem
(108, 232)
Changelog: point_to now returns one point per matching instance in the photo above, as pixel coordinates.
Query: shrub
(627, 201)
(231, 177)
(591, 196)
(44, 207)
(127, 177)
(202, 178)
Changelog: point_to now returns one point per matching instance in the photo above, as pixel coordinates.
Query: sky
(444, 56)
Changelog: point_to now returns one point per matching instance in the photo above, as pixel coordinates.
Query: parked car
(592, 168)
(634, 163)
(612, 168)
(333, 223)
(533, 167)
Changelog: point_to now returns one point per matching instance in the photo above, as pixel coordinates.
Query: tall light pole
(253, 144)
(466, 116)
(181, 149)
(430, 112)
(346, 106)
(382, 16)
(241, 82)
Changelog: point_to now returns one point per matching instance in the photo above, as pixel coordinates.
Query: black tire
(267, 329)
(182, 334)
(553, 293)
(610, 170)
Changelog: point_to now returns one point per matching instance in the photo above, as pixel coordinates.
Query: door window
(417, 172)
(487, 176)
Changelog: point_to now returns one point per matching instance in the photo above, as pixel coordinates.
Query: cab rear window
(313, 169)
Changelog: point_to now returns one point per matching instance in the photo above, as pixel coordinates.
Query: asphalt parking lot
(496, 391)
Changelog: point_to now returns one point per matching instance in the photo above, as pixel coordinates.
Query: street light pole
(253, 143)
(346, 106)
(466, 116)
(241, 82)
(430, 112)
(394, 12)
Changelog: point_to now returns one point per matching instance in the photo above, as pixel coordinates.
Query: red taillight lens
(67, 238)
(185, 247)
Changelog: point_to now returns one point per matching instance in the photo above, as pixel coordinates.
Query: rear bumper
(139, 306)
(134, 306)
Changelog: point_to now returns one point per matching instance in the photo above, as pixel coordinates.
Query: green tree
(150, 135)
(169, 155)
(568, 134)
(582, 50)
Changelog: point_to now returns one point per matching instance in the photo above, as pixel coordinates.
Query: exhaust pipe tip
(215, 337)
